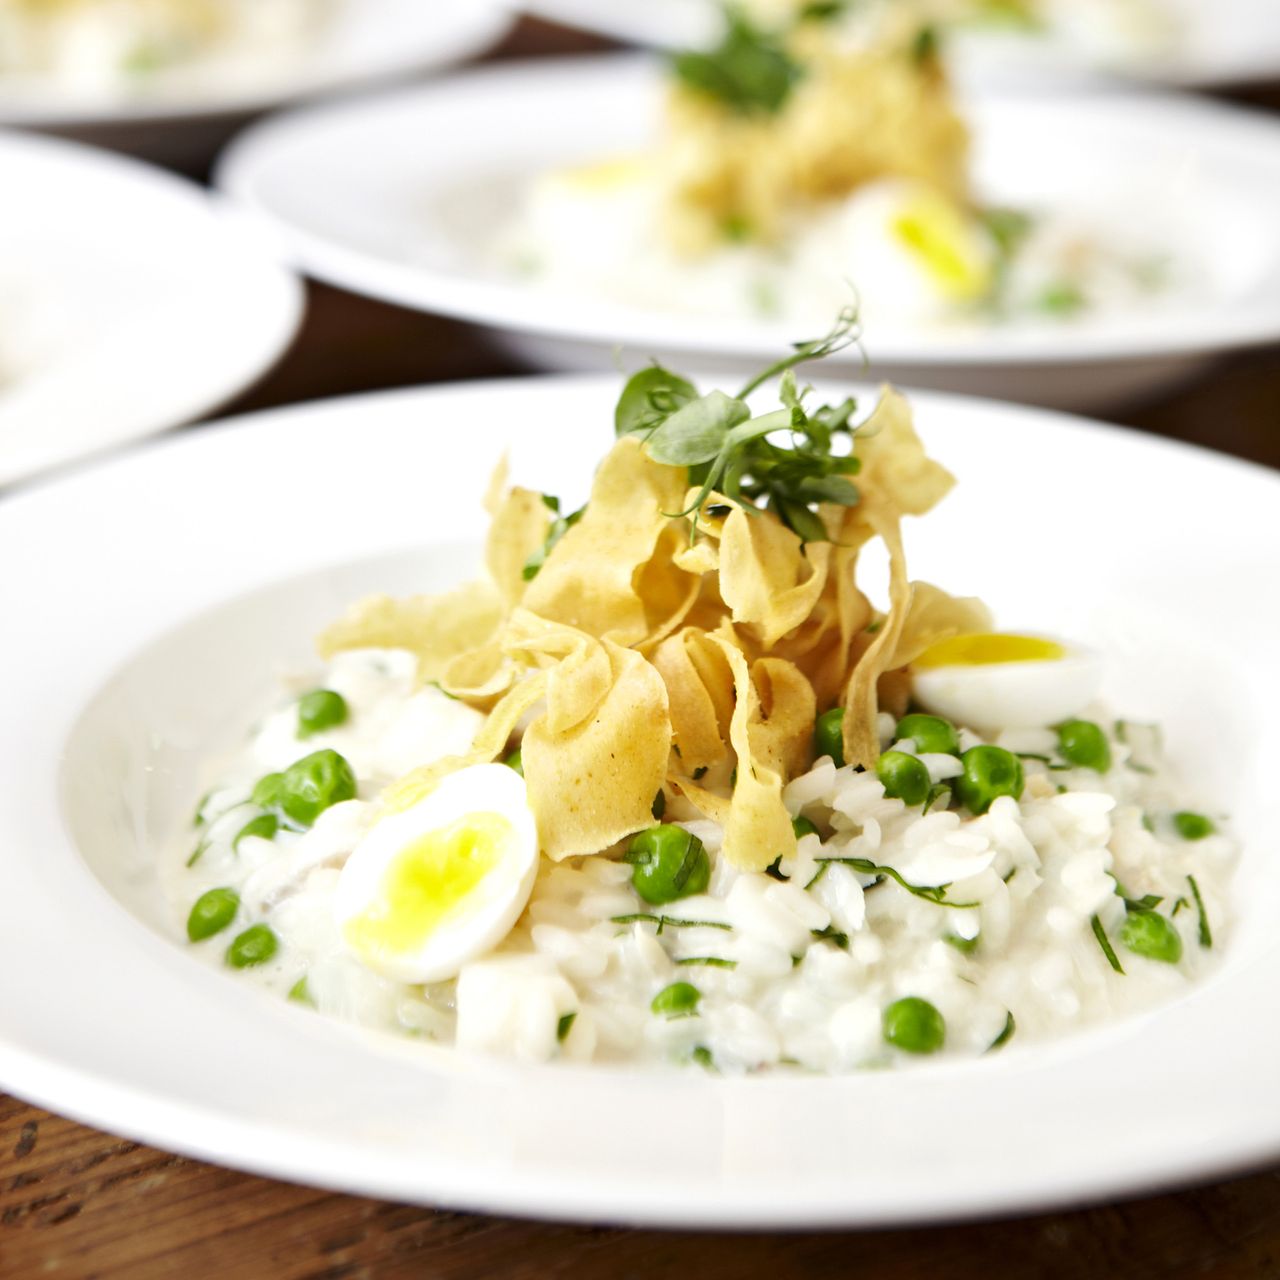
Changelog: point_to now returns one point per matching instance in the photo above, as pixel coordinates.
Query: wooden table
(75, 1202)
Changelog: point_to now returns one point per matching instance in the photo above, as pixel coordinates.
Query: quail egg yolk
(429, 882)
(941, 237)
(984, 649)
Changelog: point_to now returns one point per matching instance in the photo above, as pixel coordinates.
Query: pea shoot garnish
(729, 450)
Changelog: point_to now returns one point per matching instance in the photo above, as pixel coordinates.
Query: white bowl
(130, 302)
(359, 42)
(1227, 42)
(359, 200)
(133, 657)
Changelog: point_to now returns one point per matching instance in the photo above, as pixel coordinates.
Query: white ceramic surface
(130, 302)
(134, 656)
(360, 42)
(357, 200)
(1224, 42)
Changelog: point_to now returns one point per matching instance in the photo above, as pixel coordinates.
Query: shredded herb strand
(1107, 949)
(1206, 937)
(930, 893)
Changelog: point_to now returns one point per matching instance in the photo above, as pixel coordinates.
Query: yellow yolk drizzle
(937, 232)
(986, 649)
(427, 882)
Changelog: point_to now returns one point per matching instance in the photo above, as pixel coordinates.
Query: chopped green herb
(939, 791)
(1147, 823)
(714, 962)
(515, 760)
(966, 946)
(564, 1026)
(198, 819)
(264, 826)
(1010, 1026)
(1107, 949)
(1206, 937)
(1178, 905)
(930, 893)
(197, 853)
(702, 1056)
(833, 935)
(668, 922)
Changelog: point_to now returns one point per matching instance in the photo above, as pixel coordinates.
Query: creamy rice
(802, 962)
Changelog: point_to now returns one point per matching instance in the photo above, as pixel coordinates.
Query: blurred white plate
(357, 198)
(136, 656)
(1220, 43)
(361, 41)
(130, 301)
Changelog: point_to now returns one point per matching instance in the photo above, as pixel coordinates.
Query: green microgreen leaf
(697, 431)
(649, 398)
(558, 528)
(749, 72)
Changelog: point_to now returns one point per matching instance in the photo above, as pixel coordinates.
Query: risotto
(666, 787)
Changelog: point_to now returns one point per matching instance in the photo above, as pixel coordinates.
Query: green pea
(828, 735)
(1192, 826)
(913, 1024)
(803, 827)
(989, 773)
(264, 825)
(319, 710)
(256, 945)
(930, 734)
(679, 1000)
(515, 761)
(266, 791)
(667, 862)
(212, 912)
(310, 785)
(904, 777)
(1148, 933)
(1083, 743)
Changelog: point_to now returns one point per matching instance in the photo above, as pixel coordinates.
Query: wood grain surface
(75, 1202)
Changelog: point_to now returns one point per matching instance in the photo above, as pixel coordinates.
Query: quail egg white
(991, 681)
(443, 881)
